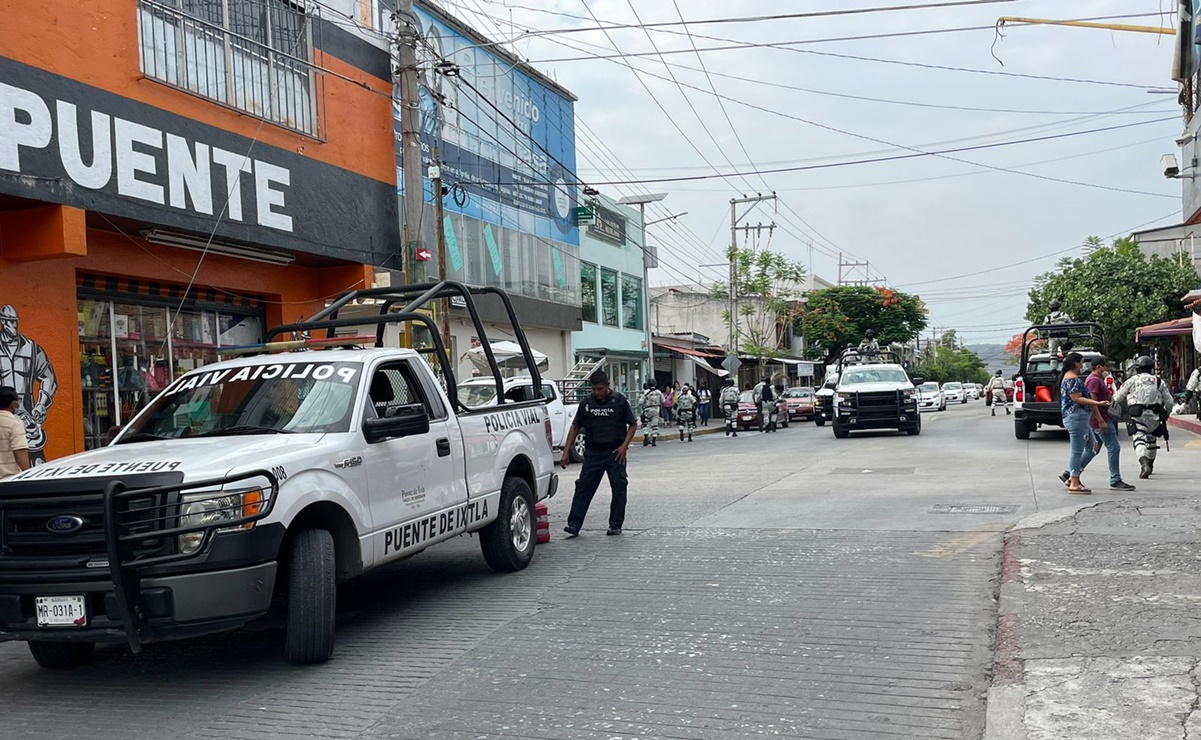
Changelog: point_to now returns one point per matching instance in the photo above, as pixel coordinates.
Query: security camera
(1169, 165)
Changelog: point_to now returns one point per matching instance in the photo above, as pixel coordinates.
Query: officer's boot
(1150, 465)
(1007, 412)
(681, 433)
(994, 410)
(1145, 467)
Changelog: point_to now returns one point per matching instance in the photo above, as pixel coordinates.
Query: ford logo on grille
(64, 524)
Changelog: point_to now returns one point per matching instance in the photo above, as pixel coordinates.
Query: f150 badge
(350, 462)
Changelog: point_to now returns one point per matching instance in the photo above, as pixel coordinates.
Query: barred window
(252, 55)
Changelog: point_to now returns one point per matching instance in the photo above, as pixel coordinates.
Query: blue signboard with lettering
(506, 139)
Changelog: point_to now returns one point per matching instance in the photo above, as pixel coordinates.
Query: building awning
(702, 365)
(687, 350)
(634, 354)
(1173, 328)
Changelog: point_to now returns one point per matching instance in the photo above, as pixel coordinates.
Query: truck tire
(508, 542)
(577, 448)
(52, 655)
(312, 597)
(840, 432)
(1021, 430)
(819, 420)
(916, 429)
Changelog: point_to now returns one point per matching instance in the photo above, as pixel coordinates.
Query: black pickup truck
(1036, 390)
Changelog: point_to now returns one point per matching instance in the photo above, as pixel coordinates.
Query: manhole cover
(974, 509)
(869, 470)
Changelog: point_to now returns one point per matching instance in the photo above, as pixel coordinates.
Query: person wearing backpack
(765, 399)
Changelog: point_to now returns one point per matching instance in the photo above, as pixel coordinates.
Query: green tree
(769, 300)
(839, 316)
(1118, 287)
(944, 362)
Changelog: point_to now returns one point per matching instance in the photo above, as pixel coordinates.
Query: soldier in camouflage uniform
(686, 410)
(1056, 316)
(1145, 402)
(869, 348)
(652, 402)
(996, 393)
(729, 406)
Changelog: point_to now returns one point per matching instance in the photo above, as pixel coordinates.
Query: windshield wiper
(141, 437)
(243, 429)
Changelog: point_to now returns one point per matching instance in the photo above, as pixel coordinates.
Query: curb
(1188, 424)
(1005, 704)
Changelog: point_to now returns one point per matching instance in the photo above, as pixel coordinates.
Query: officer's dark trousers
(596, 464)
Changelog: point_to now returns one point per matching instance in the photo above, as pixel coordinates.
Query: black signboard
(610, 227)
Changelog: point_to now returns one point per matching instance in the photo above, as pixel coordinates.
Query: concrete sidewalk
(1099, 628)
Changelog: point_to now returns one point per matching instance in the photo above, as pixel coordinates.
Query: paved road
(790, 584)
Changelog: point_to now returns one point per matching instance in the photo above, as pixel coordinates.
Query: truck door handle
(443, 447)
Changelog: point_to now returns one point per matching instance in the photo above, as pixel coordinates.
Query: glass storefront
(130, 350)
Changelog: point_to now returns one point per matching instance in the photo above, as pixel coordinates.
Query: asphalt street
(788, 584)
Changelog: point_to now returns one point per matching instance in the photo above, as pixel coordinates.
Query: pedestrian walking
(765, 399)
(14, 444)
(1077, 409)
(608, 424)
(686, 403)
(652, 406)
(996, 393)
(729, 406)
(1105, 429)
(669, 400)
(706, 399)
(1145, 402)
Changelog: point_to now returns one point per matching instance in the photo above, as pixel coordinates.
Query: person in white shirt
(14, 445)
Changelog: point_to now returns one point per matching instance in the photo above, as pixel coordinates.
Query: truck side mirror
(402, 421)
(831, 384)
(917, 381)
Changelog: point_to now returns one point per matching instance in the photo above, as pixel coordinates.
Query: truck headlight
(846, 399)
(205, 510)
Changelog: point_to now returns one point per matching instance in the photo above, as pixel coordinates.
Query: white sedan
(929, 396)
(954, 393)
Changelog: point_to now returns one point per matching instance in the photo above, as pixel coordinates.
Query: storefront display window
(129, 352)
(96, 371)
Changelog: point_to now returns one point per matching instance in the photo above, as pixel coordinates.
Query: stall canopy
(1173, 328)
(508, 355)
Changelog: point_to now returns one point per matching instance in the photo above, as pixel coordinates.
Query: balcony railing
(254, 56)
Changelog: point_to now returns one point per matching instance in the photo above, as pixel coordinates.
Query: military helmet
(999, 373)
(869, 333)
(1144, 363)
(651, 385)
(729, 382)
(1054, 305)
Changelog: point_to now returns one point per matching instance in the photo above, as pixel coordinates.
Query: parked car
(748, 411)
(972, 391)
(930, 397)
(801, 403)
(954, 392)
(260, 484)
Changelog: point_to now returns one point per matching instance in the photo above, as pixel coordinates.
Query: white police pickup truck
(260, 483)
(480, 392)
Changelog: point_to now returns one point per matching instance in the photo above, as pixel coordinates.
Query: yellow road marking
(957, 546)
(1194, 445)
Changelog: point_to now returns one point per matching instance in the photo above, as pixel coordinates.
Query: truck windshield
(874, 375)
(273, 398)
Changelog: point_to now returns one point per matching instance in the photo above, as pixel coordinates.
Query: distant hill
(993, 355)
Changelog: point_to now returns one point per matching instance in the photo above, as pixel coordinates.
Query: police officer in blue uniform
(609, 424)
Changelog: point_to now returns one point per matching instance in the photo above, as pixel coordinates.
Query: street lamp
(641, 201)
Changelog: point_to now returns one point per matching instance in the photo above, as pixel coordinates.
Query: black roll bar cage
(1069, 332)
(414, 298)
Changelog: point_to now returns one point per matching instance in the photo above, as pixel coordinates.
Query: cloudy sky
(922, 222)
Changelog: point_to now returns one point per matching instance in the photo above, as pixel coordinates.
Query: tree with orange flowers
(836, 317)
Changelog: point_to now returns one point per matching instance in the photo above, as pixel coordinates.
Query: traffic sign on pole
(731, 364)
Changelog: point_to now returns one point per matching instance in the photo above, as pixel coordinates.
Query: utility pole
(842, 280)
(436, 184)
(413, 181)
(734, 218)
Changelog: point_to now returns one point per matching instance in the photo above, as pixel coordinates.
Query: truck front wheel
(508, 542)
(312, 597)
(53, 655)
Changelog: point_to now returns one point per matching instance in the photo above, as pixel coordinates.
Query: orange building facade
(175, 177)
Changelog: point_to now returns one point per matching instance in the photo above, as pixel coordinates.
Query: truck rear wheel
(1021, 430)
(312, 597)
(577, 448)
(508, 542)
(54, 655)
